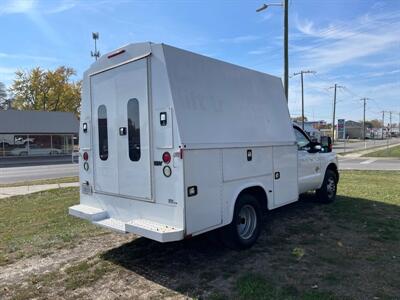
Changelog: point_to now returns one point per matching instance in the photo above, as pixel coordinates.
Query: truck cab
(314, 159)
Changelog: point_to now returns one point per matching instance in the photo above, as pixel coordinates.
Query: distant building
(36, 133)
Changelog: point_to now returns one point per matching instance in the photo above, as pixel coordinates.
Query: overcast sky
(355, 43)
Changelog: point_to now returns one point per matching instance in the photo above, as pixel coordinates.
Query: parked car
(175, 144)
(35, 150)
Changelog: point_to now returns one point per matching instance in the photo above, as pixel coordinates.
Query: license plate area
(86, 188)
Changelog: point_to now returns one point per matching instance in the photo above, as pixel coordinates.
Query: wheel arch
(257, 190)
(334, 168)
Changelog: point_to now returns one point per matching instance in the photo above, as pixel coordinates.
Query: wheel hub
(331, 187)
(247, 222)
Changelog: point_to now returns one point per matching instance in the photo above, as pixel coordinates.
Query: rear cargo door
(122, 158)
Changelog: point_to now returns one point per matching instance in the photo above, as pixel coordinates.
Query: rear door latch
(122, 131)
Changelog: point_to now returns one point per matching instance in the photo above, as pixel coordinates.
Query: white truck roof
(217, 103)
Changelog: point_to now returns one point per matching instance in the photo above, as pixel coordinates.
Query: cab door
(309, 168)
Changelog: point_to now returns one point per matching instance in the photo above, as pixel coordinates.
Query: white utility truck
(174, 144)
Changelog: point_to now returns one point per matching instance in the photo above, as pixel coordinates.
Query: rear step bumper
(149, 229)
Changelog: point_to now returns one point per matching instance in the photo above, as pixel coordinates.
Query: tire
(245, 228)
(23, 153)
(327, 192)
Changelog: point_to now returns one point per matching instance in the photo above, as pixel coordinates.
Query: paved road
(340, 147)
(34, 161)
(20, 174)
(365, 163)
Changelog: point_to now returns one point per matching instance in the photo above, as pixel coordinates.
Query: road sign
(341, 129)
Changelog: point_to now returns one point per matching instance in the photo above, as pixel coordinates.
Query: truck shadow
(202, 264)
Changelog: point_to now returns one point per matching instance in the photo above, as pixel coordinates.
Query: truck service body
(171, 140)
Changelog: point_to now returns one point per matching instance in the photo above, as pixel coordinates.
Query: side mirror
(326, 142)
(314, 147)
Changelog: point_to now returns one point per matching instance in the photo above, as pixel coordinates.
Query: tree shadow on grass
(202, 264)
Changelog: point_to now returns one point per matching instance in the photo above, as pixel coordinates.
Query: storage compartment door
(285, 175)
(203, 172)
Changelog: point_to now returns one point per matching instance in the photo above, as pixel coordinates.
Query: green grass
(345, 250)
(42, 181)
(254, 286)
(391, 152)
(38, 223)
(360, 231)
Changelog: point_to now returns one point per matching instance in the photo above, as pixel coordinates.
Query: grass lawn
(39, 223)
(346, 250)
(42, 181)
(391, 152)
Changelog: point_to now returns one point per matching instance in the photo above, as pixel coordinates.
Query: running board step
(88, 212)
(113, 224)
(154, 230)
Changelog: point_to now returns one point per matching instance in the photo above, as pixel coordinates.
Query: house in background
(37, 133)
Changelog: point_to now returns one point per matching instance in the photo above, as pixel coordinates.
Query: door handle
(122, 131)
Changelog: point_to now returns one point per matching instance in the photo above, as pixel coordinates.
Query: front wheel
(327, 192)
(245, 227)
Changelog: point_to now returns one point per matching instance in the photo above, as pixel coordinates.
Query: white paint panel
(203, 168)
(163, 134)
(309, 171)
(220, 103)
(236, 166)
(105, 171)
(286, 187)
(114, 88)
(134, 176)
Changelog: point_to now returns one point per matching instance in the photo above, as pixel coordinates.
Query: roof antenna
(96, 53)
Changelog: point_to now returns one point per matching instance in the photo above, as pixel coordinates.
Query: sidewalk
(6, 192)
(361, 152)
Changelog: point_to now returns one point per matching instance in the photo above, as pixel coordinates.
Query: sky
(353, 43)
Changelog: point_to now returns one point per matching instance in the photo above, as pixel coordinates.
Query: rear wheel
(327, 192)
(245, 227)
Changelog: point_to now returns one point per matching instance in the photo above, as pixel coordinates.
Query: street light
(285, 6)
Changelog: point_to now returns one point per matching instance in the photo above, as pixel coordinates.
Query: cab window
(301, 139)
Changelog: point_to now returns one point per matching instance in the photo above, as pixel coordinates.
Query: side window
(302, 140)
(103, 135)
(133, 129)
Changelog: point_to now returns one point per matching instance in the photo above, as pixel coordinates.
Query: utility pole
(286, 51)
(399, 124)
(390, 123)
(302, 93)
(285, 4)
(335, 87)
(96, 53)
(365, 104)
(383, 122)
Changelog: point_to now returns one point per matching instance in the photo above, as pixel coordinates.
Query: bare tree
(3, 95)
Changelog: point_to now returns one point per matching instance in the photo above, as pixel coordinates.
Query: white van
(174, 144)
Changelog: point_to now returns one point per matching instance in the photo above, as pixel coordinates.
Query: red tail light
(85, 156)
(166, 157)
